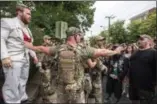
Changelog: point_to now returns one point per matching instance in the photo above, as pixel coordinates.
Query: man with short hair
(14, 56)
(47, 40)
(48, 73)
(96, 73)
(142, 72)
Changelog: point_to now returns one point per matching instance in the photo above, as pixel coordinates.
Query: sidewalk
(32, 87)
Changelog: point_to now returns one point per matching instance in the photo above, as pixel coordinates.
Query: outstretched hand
(119, 49)
(28, 45)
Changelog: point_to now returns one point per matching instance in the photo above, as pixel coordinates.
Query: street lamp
(109, 19)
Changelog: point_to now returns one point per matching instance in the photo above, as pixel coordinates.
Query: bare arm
(91, 63)
(32, 53)
(37, 48)
(105, 52)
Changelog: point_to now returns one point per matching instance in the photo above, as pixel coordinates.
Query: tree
(104, 33)
(133, 30)
(75, 13)
(137, 27)
(93, 41)
(149, 26)
(146, 26)
(7, 8)
(118, 32)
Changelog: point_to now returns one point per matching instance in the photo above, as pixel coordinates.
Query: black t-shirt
(142, 73)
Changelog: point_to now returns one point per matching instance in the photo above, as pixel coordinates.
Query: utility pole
(91, 33)
(109, 23)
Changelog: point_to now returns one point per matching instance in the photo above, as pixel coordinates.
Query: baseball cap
(98, 38)
(145, 36)
(72, 31)
(46, 37)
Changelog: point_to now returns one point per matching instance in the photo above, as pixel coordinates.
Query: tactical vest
(69, 64)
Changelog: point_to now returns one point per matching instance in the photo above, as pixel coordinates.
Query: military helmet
(72, 31)
(99, 38)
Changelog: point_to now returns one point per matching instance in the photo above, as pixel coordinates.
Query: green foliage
(149, 25)
(75, 13)
(104, 33)
(118, 32)
(133, 31)
(7, 8)
(69, 11)
(93, 41)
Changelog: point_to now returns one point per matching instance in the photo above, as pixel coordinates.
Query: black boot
(27, 102)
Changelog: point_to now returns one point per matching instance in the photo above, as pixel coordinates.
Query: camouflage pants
(62, 96)
(87, 86)
(48, 88)
(97, 88)
(50, 97)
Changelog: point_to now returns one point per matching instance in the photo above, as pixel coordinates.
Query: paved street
(32, 91)
(123, 100)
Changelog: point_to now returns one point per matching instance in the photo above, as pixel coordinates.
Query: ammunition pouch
(72, 91)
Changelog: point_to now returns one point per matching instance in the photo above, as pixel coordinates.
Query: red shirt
(26, 38)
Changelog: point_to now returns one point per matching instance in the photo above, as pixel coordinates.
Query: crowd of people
(133, 72)
(73, 71)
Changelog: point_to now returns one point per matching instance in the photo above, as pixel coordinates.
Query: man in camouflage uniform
(96, 73)
(70, 58)
(47, 71)
(47, 42)
(93, 69)
(87, 68)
